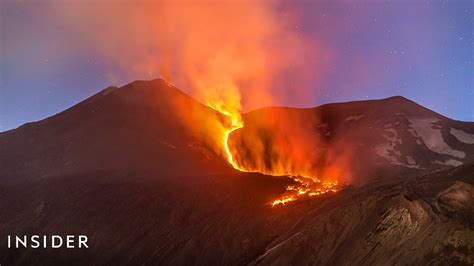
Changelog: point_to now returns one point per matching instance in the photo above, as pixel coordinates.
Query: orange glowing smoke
(226, 53)
(284, 142)
(306, 184)
(229, 54)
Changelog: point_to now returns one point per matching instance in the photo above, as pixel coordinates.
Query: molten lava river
(304, 186)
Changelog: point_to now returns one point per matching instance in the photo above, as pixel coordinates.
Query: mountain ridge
(146, 189)
(109, 89)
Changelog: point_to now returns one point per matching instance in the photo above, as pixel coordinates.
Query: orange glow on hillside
(304, 187)
(236, 123)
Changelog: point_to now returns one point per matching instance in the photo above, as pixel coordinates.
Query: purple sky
(422, 50)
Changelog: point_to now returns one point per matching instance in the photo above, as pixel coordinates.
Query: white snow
(387, 150)
(353, 118)
(322, 125)
(450, 162)
(462, 136)
(383, 150)
(432, 137)
(411, 162)
(394, 138)
(169, 145)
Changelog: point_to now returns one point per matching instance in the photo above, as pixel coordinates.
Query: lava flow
(306, 188)
(236, 124)
(303, 187)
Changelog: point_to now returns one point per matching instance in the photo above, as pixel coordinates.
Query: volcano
(125, 168)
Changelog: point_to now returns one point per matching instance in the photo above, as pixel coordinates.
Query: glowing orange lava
(303, 187)
(236, 124)
(306, 188)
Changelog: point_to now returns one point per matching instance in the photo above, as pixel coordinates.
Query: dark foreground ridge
(121, 169)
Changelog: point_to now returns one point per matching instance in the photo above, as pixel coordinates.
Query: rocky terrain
(146, 188)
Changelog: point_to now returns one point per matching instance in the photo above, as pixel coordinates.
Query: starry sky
(423, 50)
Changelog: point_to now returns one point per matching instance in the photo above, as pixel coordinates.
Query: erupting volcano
(130, 164)
(234, 57)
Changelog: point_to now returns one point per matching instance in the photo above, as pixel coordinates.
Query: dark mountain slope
(407, 221)
(227, 220)
(146, 188)
(139, 126)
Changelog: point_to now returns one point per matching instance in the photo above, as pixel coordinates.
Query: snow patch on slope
(411, 162)
(462, 136)
(384, 150)
(353, 118)
(387, 150)
(450, 162)
(432, 137)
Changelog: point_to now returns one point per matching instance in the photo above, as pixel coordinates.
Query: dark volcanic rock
(147, 190)
(414, 221)
(136, 127)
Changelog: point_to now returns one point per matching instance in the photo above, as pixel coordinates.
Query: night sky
(423, 50)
